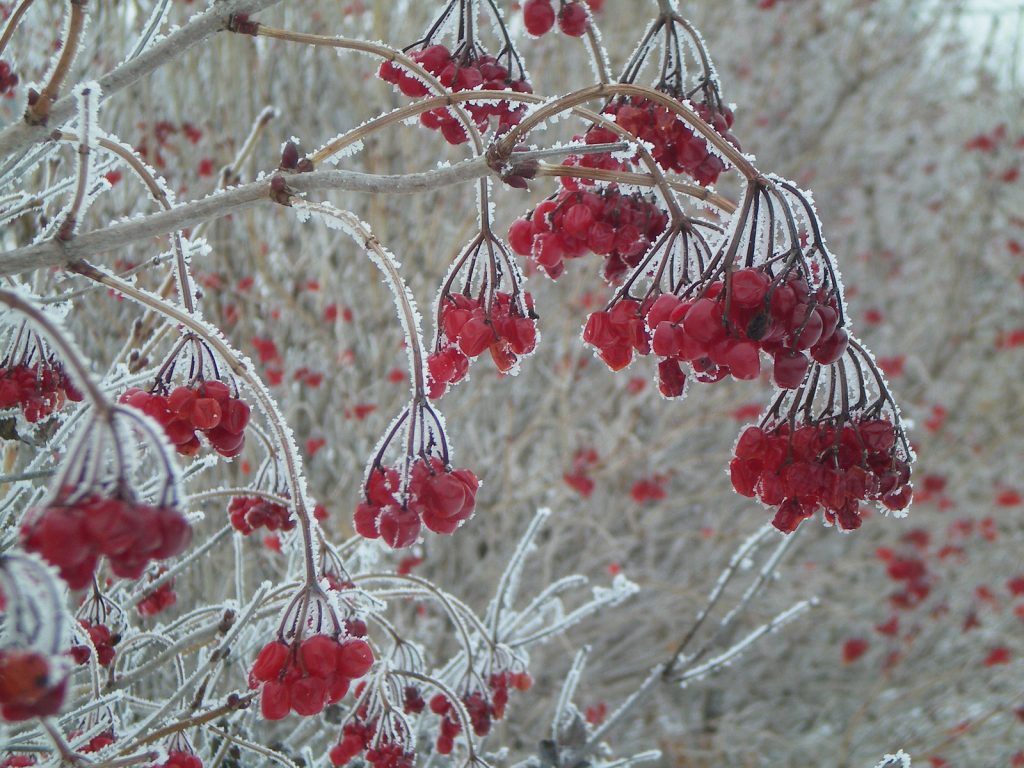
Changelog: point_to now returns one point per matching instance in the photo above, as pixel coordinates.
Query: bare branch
(16, 138)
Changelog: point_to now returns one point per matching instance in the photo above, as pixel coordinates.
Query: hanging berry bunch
(481, 306)
(262, 509)
(622, 328)
(832, 444)
(421, 488)
(768, 284)
(312, 661)
(33, 672)
(583, 217)
(31, 377)
(181, 754)
(484, 700)
(8, 80)
(94, 511)
(677, 146)
(465, 66)
(378, 728)
(204, 404)
(99, 618)
(539, 16)
(159, 598)
(248, 513)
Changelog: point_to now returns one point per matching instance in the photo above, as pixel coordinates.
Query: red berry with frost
(538, 16)
(572, 19)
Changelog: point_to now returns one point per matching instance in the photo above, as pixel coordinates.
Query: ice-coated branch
(38, 112)
(12, 22)
(89, 244)
(16, 138)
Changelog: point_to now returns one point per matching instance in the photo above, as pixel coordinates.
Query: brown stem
(38, 112)
(501, 149)
(233, 704)
(12, 22)
(640, 180)
(590, 93)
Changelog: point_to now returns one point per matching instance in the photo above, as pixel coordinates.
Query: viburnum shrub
(171, 592)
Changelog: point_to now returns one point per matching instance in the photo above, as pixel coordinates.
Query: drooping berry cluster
(305, 676)
(72, 535)
(437, 496)
(177, 758)
(722, 332)
(8, 79)
(466, 71)
(822, 466)
(251, 512)
(539, 17)
(468, 328)
(676, 146)
(18, 761)
(483, 707)
(204, 406)
(102, 640)
(384, 750)
(620, 227)
(38, 389)
(617, 333)
(160, 599)
(29, 685)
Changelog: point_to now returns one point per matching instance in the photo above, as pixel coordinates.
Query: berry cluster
(360, 735)
(722, 332)
(828, 466)
(177, 758)
(102, 640)
(206, 406)
(8, 80)
(27, 687)
(73, 535)
(96, 743)
(463, 73)
(38, 389)
(911, 572)
(250, 512)
(676, 146)
(467, 329)
(307, 675)
(18, 761)
(539, 17)
(617, 333)
(483, 707)
(620, 227)
(160, 599)
(439, 497)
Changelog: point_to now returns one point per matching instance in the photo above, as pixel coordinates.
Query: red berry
(538, 16)
(270, 661)
(353, 658)
(572, 19)
(275, 700)
(790, 369)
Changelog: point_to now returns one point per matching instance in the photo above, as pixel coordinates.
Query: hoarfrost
(899, 760)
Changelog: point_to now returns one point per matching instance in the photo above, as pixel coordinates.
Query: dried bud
(289, 156)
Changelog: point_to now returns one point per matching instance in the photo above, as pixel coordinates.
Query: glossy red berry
(572, 19)
(538, 16)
